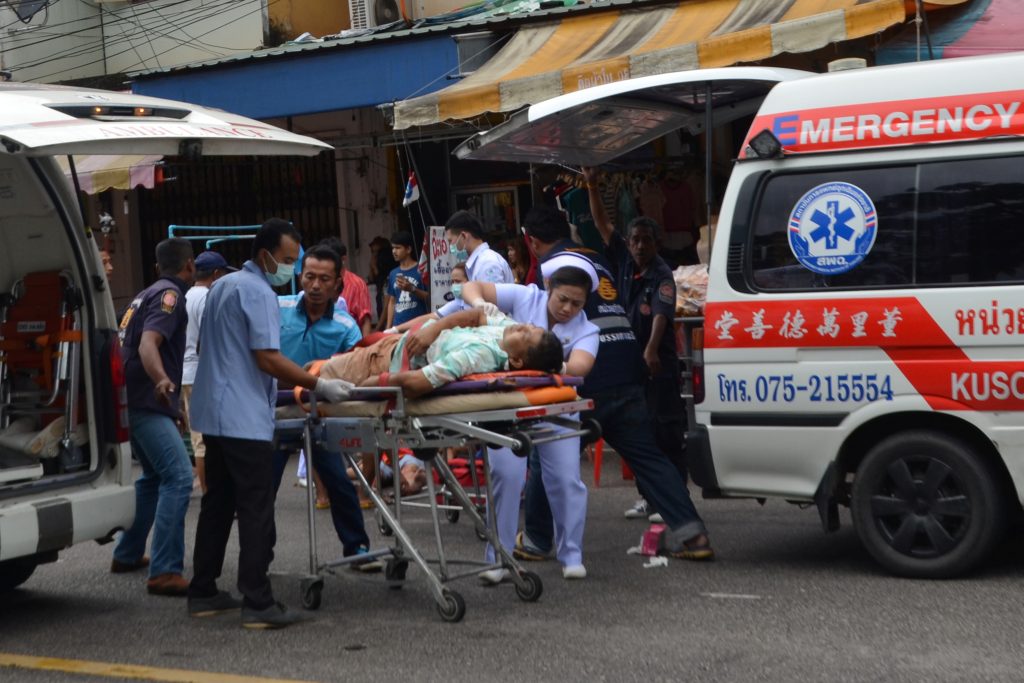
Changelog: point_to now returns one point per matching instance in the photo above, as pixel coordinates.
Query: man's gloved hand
(334, 390)
(487, 307)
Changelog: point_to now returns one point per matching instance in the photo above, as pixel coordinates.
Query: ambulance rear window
(943, 223)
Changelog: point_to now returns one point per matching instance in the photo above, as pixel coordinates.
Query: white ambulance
(864, 330)
(65, 463)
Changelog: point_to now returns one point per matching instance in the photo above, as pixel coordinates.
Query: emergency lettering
(945, 119)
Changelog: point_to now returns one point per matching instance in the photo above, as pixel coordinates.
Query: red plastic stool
(599, 457)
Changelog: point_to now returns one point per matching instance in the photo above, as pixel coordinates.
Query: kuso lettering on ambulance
(880, 124)
(938, 369)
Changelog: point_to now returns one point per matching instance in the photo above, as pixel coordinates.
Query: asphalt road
(783, 602)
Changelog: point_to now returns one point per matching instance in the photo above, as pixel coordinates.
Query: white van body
(84, 489)
(864, 325)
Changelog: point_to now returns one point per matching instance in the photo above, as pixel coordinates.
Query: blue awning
(282, 83)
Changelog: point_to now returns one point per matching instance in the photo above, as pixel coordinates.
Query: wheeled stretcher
(381, 419)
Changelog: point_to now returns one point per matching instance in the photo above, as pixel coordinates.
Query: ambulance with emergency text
(863, 340)
(864, 331)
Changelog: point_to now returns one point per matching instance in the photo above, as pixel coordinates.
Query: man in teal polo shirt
(313, 329)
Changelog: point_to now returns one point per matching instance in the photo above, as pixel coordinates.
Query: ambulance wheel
(532, 589)
(312, 593)
(15, 572)
(925, 504)
(525, 444)
(451, 607)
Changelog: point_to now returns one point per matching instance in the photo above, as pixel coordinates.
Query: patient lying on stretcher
(444, 350)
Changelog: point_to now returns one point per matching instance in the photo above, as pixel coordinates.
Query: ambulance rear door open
(594, 126)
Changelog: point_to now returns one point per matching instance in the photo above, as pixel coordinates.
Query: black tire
(525, 444)
(312, 594)
(452, 607)
(533, 589)
(15, 572)
(452, 516)
(925, 504)
(384, 528)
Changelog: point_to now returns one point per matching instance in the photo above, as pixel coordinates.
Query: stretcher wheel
(452, 516)
(394, 571)
(385, 529)
(525, 443)
(531, 589)
(312, 593)
(452, 607)
(480, 533)
(594, 432)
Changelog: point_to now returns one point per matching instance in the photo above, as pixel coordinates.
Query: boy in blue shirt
(407, 295)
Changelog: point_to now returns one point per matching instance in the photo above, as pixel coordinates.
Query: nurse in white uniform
(570, 278)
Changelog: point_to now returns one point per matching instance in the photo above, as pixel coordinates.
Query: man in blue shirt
(153, 339)
(312, 329)
(233, 407)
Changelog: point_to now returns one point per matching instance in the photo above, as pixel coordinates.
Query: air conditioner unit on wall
(370, 13)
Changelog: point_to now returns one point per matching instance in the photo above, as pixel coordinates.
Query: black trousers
(239, 478)
(668, 413)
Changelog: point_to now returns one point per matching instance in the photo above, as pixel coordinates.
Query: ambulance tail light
(697, 367)
(118, 392)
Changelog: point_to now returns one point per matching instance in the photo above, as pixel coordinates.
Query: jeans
(668, 412)
(161, 494)
(627, 427)
(239, 478)
(345, 511)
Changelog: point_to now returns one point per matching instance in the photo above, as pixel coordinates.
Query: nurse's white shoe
(492, 577)
(576, 571)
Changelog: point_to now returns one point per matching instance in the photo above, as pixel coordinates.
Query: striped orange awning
(100, 172)
(545, 60)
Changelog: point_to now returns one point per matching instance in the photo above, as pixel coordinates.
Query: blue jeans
(161, 494)
(627, 427)
(345, 511)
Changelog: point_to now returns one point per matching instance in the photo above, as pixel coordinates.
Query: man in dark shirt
(649, 295)
(619, 406)
(153, 342)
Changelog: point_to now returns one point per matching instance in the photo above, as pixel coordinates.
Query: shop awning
(100, 172)
(983, 27)
(545, 60)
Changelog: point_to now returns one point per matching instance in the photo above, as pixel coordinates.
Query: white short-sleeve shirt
(529, 304)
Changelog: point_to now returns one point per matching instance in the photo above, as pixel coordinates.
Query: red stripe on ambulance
(934, 365)
(901, 122)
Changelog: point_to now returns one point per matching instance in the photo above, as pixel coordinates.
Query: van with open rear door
(863, 341)
(65, 460)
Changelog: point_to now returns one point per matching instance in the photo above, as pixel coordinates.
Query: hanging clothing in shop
(679, 210)
(576, 202)
(626, 206)
(652, 201)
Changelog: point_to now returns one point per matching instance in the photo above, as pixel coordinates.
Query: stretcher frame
(520, 430)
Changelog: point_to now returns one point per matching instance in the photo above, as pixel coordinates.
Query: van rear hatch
(42, 120)
(593, 126)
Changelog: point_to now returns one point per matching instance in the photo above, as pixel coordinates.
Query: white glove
(487, 307)
(391, 330)
(334, 390)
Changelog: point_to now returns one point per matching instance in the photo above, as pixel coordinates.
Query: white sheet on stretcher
(438, 405)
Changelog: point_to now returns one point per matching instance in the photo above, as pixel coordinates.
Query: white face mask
(460, 255)
(457, 290)
(283, 275)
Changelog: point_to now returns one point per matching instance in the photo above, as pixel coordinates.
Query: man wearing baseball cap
(210, 266)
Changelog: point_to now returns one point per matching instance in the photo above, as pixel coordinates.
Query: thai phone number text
(839, 388)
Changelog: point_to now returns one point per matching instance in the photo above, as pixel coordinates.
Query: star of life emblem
(832, 228)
